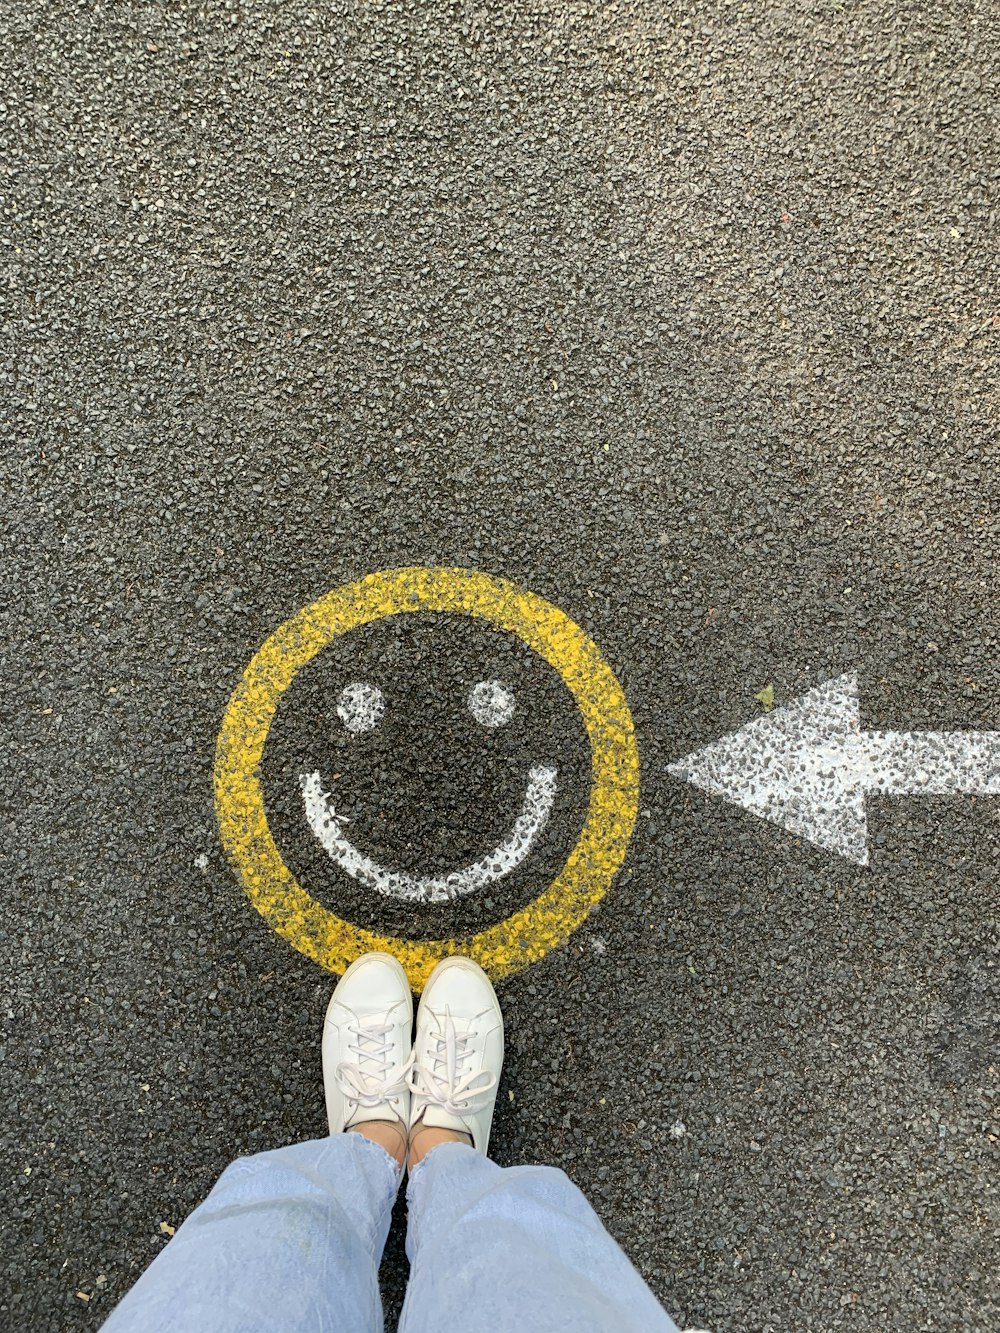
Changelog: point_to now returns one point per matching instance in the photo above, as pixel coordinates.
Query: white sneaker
(366, 1045)
(458, 1052)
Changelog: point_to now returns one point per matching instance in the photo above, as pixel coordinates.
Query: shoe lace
(443, 1078)
(370, 1079)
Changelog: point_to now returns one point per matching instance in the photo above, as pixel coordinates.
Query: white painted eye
(491, 703)
(360, 706)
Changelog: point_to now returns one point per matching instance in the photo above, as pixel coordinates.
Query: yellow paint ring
(525, 936)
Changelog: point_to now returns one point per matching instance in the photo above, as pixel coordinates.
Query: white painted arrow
(809, 766)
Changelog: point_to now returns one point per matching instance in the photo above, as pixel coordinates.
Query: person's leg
(494, 1250)
(292, 1239)
(288, 1239)
(515, 1250)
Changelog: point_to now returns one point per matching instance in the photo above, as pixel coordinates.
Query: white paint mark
(201, 861)
(505, 857)
(360, 706)
(491, 703)
(808, 767)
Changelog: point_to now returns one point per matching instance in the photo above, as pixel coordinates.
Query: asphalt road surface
(684, 318)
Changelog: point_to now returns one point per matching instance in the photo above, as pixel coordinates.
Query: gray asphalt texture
(685, 317)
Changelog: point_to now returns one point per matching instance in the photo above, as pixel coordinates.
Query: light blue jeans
(290, 1241)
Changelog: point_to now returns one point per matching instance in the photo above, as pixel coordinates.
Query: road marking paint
(505, 857)
(491, 703)
(527, 934)
(360, 706)
(808, 767)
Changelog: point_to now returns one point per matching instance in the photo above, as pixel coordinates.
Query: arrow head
(792, 767)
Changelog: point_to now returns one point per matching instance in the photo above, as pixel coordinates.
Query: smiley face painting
(492, 704)
(426, 774)
(427, 761)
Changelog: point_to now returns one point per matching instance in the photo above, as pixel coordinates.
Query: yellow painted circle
(525, 936)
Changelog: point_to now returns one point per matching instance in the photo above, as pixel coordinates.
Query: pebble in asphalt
(685, 318)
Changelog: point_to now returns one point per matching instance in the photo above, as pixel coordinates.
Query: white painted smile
(505, 857)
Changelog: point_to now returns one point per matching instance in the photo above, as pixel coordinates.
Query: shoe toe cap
(374, 984)
(463, 988)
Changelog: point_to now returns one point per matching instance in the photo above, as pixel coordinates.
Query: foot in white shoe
(366, 1046)
(458, 1053)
